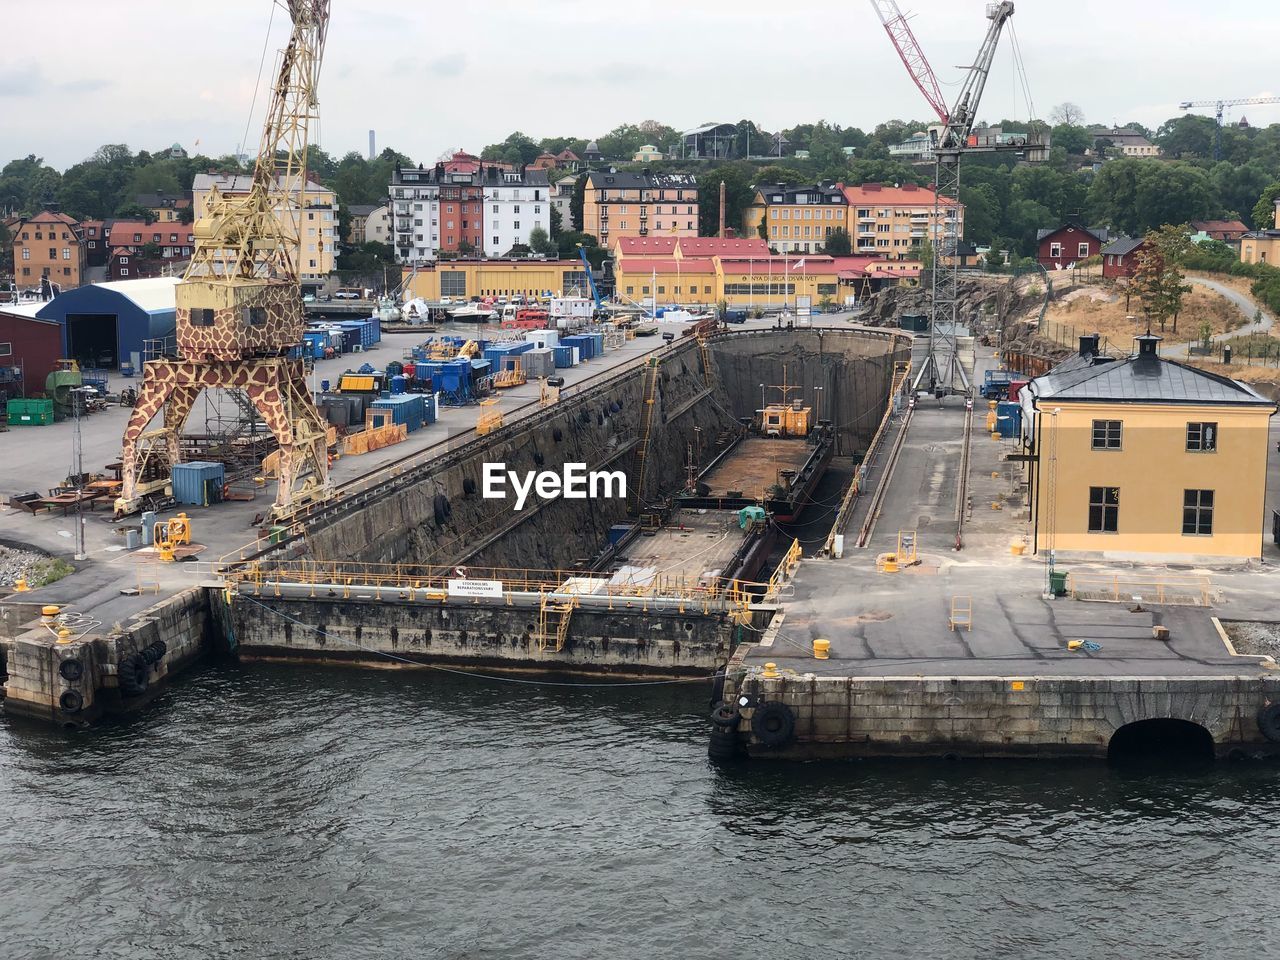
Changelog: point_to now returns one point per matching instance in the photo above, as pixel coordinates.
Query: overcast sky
(433, 75)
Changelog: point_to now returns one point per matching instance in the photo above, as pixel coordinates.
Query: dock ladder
(706, 360)
(642, 451)
(554, 614)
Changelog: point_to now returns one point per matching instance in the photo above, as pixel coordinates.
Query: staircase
(553, 622)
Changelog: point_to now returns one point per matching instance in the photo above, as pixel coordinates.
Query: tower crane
(1219, 108)
(941, 371)
(239, 303)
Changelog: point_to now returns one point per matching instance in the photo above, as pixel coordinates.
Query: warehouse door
(92, 339)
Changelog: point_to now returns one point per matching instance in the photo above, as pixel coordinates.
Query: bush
(49, 570)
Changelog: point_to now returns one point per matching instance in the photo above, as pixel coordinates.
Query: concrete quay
(1020, 673)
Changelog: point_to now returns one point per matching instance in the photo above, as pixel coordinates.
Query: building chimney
(1148, 358)
(373, 148)
(723, 191)
(1089, 343)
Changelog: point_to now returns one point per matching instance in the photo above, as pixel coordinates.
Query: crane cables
(1020, 71)
(257, 84)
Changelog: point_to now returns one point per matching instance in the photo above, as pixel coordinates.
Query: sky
(441, 74)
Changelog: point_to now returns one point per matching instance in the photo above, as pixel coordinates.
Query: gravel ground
(1256, 639)
(16, 565)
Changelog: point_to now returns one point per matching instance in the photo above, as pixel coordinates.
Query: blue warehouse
(105, 325)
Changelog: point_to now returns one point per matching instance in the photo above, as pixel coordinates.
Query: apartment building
(797, 218)
(515, 203)
(890, 221)
(48, 245)
(315, 215)
(172, 240)
(414, 211)
(619, 204)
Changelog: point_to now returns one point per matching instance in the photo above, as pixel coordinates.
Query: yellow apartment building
(1262, 246)
(497, 278)
(1146, 458)
(318, 228)
(796, 219)
(48, 245)
(617, 204)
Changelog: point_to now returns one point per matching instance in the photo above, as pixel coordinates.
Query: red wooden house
(1069, 244)
(1120, 258)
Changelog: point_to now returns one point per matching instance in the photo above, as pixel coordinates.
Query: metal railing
(1114, 588)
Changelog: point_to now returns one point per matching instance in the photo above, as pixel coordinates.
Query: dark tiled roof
(1122, 247)
(1134, 381)
(1098, 232)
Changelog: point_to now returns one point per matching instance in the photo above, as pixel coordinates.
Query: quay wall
(40, 683)
(851, 717)
(627, 641)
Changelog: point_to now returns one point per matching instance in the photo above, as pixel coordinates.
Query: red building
(1069, 244)
(1228, 231)
(461, 212)
(93, 233)
(174, 241)
(29, 351)
(1120, 259)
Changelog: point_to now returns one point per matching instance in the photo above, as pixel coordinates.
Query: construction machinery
(941, 372)
(591, 280)
(239, 303)
(1219, 110)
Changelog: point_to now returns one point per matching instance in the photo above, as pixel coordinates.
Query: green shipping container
(29, 413)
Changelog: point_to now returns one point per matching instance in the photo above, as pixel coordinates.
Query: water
(270, 812)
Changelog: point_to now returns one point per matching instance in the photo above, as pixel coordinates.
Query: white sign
(475, 588)
(804, 306)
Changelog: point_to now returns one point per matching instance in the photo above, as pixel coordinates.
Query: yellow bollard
(64, 635)
(822, 649)
(1017, 549)
(770, 671)
(20, 586)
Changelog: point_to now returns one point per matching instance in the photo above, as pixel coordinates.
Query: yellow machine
(239, 304)
(171, 533)
(511, 374)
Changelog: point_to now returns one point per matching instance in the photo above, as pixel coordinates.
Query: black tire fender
(71, 701)
(717, 687)
(723, 744)
(774, 723)
(725, 715)
(1269, 720)
(71, 670)
(133, 675)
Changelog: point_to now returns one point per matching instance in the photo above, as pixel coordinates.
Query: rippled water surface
(268, 812)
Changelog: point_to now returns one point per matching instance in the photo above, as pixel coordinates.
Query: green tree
(1075, 140)
(557, 221)
(541, 243)
(1159, 278)
(577, 201)
(981, 212)
(1190, 135)
(738, 178)
(839, 244)
(466, 248)
(1264, 211)
(518, 150)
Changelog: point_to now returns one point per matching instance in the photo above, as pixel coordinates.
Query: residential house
(620, 204)
(377, 225)
(562, 198)
(358, 218)
(797, 218)
(165, 207)
(93, 233)
(1228, 231)
(313, 217)
(515, 204)
(566, 159)
(1260, 246)
(918, 146)
(1120, 258)
(648, 153)
(127, 264)
(1067, 245)
(48, 245)
(543, 161)
(1095, 430)
(895, 220)
(167, 241)
(1128, 141)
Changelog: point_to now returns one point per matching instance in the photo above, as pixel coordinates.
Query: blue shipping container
(1008, 419)
(564, 356)
(405, 408)
(198, 483)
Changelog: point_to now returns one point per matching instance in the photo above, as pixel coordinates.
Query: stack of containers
(317, 340)
(585, 344)
(405, 408)
(495, 353)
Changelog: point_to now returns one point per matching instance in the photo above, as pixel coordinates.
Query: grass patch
(49, 570)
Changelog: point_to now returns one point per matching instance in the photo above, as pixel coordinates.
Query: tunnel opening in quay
(1160, 741)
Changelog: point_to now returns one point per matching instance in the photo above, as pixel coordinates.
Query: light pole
(817, 404)
(77, 468)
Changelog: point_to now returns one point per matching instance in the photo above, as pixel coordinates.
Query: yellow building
(890, 221)
(497, 278)
(617, 204)
(797, 219)
(318, 229)
(765, 283)
(1145, 457)
(1261, 246)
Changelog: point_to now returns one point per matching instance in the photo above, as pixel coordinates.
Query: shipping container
(563, 356)
(1008, 419)
(29, 413)
(198, 483)
(406, 408)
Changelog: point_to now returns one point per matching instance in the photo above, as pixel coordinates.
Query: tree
(1067, 114)
(466, 248)
(1075, 140)
(569, 241)
(839, 244)
(541, 243)
(557, 221)
(1264, 211)
(739, 191)
(133, 211)
(1158, 280)
(577, 201)
(762, 228)
(1187, 136)
(518, 150)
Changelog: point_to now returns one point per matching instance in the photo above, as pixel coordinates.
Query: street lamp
(817, 403)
